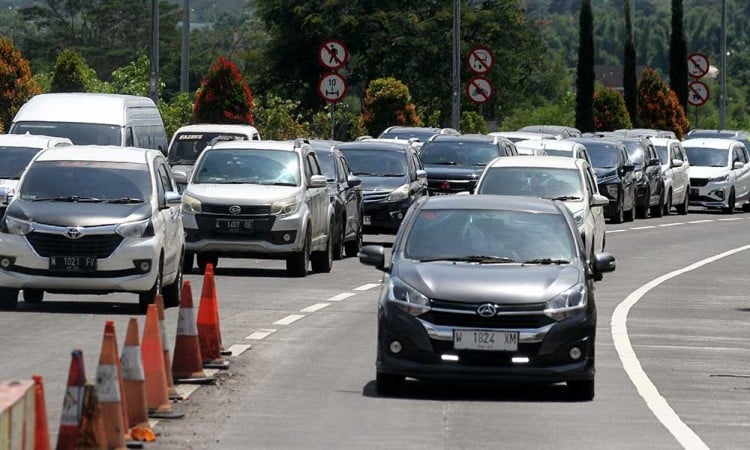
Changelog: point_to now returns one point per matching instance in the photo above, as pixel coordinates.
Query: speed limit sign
(332, 87)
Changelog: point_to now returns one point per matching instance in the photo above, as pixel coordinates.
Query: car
(614, 176)
(569, 180)
(454, 163)
(393, 177)
(345, 192)
(16, 151)
(563, 131)
(259, 199)
(189, 141)
(738, 135)
(650, 195)
(422, 134)
(719, 173)
(93, 220)
(566, 148)
(531, 147)
(516, 136)
(674, 170)
(645, 133)
(472, 293)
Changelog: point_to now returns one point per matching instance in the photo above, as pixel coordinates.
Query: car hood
(247, 194)
(453, 172)
(605, 172)
(67, 214)
(496, 283)
(8, 184)
(188, 169)
(381, 183)
(707, 172)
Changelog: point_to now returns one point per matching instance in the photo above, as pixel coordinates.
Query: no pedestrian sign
(697, 65)
(479, 90)
(332, 87)
(697, 93)
(480, 60)
(333, 54)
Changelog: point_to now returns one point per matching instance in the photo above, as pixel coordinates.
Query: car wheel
(33, 295)
(619, 216)
(682, 209)
(322, 262)
(187, 262)
(352, 247)
(730, 203)
(296, 265)
(658, 210)
(8, 299)
(388, 384)
(205, 259)
(146, 298)
(173, 292)
(668, 203)
(746, 207)
(338, 246)
(641, 211)
(582, 390)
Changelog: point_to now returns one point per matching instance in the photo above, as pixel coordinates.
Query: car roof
(531, 144)
(717, 132)
(552, 162)
(492, 202)
(561, 144)
(710, 143)
(662, 142)
(463, 138)
(595, 141)
(526, 135)
(393, 145)
(83, 107)
(253, 145)
(218, 128)
(31, 140)
(99, 153)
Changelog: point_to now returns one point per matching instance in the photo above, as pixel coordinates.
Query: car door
(680, 175)
(170, 215)
(594, 214)
(740, 175)
(351, 195)
(318, 201)
(745, 170)
(628, 179)
(418, 184)
(653, 171)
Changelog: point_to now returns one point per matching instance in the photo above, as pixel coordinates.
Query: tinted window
(711, 157)
(532, 182)
(326, 165)
(662, 153)
(566, 153)
(271, 167)
(78, 133)
(90, 179)
(186, 147)
(13, 160)
(602, 154)
(376, 163)
(459, 153)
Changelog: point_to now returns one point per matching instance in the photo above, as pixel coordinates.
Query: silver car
(258, 199)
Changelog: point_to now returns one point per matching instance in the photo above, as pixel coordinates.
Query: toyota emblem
(234, 210)
(487, 310)
(446, 186)
(73, 232)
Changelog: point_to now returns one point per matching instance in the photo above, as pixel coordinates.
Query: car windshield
(85, 180)
(78, 133)
(493, 235)
(13, 161)
(186, 147)
(566, 153)
(602, 155)
(635, 153)
(227, 166)
(564, 184)
(458, 153)
(422, 135)
(707, 157)
(326, 165)
(663, 154)
(376, 163)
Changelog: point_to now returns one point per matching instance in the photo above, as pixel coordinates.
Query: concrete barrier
(17, 415)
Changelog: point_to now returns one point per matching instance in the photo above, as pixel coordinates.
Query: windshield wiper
(445, 163)
(367, 174)
(566, 197)
(124, 200)
(482, 259)
(392, 175)
(69, 198)
(546, 261)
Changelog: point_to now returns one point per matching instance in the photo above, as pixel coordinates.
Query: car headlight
(719, 179)
(613, 190)
(638, 175)
(400, 193)
(141, 228)
(18, 226)
(285, 207)
(190, 204)
(578, 216)
(406, 297)
(567, 304)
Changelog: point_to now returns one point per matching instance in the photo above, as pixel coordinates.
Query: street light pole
(723, 69)
(154, 81)
(185, 58)
(456, 65)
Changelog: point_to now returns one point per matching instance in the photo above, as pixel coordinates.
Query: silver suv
(258, 199)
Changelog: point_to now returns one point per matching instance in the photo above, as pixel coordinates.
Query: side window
(343, 174)
(314, 164)
(417, 162)
(129, 141)
(590, 185)
(347, 169)
(744, 155)
(164, 178)
(308, 169)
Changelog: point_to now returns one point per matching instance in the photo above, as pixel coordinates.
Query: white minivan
(94, 119)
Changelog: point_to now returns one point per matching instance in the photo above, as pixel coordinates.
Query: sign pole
(333, 121)
(696, 117)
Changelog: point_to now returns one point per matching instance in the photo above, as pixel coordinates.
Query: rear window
(78, 133)
(86, 179)
(186, 147)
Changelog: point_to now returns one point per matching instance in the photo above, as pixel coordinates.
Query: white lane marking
(701, 221)
(186, 390)
(616, 231)
(291, 318)
(366, 287)
(700, 348)
(342, 296)
(644, 228)
(672, 224)
(729, 219)
(238, 349)
(646, 389)
(315, 307)
(261, 334)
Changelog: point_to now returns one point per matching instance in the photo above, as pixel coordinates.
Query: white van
(94, 119)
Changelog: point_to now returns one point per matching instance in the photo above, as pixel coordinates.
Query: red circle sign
(480, 60)
(697, 93)
(697, 65)
(479, 90)
(332, 87)
(333, 54)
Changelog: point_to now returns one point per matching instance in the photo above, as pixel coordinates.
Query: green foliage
(610, 112)
(585, 70)
(68, 75)
(630, 78)
(346, 115)
(658, 106)
(560, 112)
(16, 82)
(678, 72)
(176, 113)
(133, 78)
(279, 118)
(224, 96)
(473, 123)
(388, 102)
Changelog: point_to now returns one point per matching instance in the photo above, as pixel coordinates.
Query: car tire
(629, 215)
(33, 295)
(322, 262)
(730, 203)
(388, 384)
(641, 211)
(8, 299)
(746, 207)
(173, 292)
(668, 203)
(338, 246)
(296, 265)
(658, 210)
(682, 209)
(582, 390)
(205, 259)
(187, 263)
(147, 298)
(619, 216)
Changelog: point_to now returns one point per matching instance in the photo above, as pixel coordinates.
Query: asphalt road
(308, 381)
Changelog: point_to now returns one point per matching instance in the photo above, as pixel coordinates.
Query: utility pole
(723, 69)
(154, 81)
(185, 59)
(456, 65)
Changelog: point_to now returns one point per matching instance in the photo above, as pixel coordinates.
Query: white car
(533, 147)
(93, 219)
(570, 180)
(517, 136)
(568, 149)
(674, 169)
(719, 173)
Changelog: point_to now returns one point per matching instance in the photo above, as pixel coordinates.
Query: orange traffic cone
(134, 390)
(91, 435)
(71, 411)
(159, 302)
(209, 330)
(187, 366)
(41, 431)
(108, 390)
(157, 397)
(109, 326)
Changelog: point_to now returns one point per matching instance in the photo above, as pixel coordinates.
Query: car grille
(245, 210)
(375, 196)
(101, 246)
(437, 187)
(698, 182)
(458, 314)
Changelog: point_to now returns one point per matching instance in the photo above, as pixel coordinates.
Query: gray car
(472, 293)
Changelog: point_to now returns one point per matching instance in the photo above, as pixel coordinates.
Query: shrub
(16, 82)
(68, 75)
(610, 112)
(473, 122)
(658, 106)
(176, 113)
(559, 112)
(278, 118)
(224, 96)
(387, 102)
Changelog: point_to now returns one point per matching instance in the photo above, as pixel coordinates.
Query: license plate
(234, 226)
(441, 193)
(504, 341)
(72, 263)
(367, 220)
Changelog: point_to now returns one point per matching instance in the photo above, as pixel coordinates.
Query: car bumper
(384, 217)
(712, 195)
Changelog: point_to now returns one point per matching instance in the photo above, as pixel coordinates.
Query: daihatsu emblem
(73, 232)
(487, 310)
(235, 210)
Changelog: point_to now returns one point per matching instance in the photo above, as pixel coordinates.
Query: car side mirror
(179, 177)
(599, 200)
(677, 162)
(628, 167)
(353, 181)
(172, 198)
(373, 255)
(318, 181)
(654, 162)
(738, 165)
(604, 263)
(421, 174)
(6, 195)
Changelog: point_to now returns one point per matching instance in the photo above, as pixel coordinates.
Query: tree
(585, 70)
(224, 96)
(16, 82)
(629, 76)
(678, 73)
(610, 112)
(658, 106)
(388, 102)
(69, 73)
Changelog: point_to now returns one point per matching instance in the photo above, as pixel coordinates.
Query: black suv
(649, 183)
(455, 163)
(614, 174)
(392, 179)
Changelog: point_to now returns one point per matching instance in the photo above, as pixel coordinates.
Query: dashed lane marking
(291, 318)
(366, 287)
(729, 219)
(342, 296)
(315, 307)
(616, 231)
(261, 334)
(644, 228)
(238, 349)
(701, 221)
(672, 224)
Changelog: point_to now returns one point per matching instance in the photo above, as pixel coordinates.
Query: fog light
(286, 237)
(520, 360)
(397, 215)
(396, 347)
(448, 357)
(143, 265)
(6, 261)
(575, 353)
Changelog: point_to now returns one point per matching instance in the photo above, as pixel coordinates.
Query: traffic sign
(480, 60)
(332, 87)
(333, 54)
(479, 89)
(697, 65)
(698, 93)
